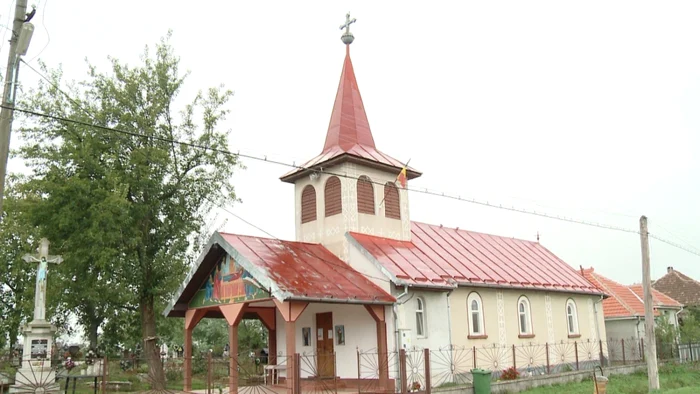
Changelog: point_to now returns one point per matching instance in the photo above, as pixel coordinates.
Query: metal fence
(406, 371)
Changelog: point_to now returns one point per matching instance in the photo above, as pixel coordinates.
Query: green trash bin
(482, 381)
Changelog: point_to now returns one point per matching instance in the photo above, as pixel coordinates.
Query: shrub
(510, 374)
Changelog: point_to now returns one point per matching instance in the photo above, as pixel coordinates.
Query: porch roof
(289, 270)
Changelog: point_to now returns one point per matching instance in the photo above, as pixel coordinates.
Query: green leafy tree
(690, 329)
(17, 238)
(144, 197)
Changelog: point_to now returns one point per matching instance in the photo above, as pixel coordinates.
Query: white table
(275, 376)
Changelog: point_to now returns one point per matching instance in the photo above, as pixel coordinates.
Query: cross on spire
(347, 37)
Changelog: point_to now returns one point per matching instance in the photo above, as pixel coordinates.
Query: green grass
(674, 379)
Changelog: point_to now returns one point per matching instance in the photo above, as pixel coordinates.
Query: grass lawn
(675, 379)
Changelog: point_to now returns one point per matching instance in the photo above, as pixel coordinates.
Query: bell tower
(351, 186)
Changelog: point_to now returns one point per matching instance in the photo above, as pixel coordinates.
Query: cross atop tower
(347, 37)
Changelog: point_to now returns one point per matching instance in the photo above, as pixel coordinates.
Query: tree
(17, 238)
(690, 329)
(145, 195)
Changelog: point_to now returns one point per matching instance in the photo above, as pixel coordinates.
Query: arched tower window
(308, 204)
(365, 195)
(332, 197)
(392, 207)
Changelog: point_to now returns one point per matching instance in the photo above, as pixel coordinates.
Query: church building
(361, 276)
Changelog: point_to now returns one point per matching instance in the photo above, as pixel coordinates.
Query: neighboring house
(362, 276)
(624, 309)
(680, 287)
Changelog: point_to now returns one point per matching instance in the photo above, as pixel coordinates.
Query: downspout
(396, 315)
(678, 324)
(449, 319)
(396, 319)
(595, 312)
(639, 320)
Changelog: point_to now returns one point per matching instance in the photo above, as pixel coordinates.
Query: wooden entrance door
(325, 365)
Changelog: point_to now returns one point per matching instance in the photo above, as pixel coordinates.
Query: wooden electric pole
(650, 340)
(8, 94)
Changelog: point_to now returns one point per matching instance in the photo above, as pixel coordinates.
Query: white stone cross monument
(35, 374)
(43, 259)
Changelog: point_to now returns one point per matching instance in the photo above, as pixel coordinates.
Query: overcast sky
(586, 109)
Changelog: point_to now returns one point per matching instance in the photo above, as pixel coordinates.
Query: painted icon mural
(228, 283)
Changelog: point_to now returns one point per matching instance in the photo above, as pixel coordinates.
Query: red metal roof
(305, 270)
(626, 301)
(349, 135)
(441, 256)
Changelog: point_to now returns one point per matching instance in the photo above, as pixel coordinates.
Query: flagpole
(397, 178)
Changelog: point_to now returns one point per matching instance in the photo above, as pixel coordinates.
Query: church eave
(343, 158)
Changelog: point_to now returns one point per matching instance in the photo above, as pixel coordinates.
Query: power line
(345, 175)
(320, 170)
(324, 171)
(291, 245)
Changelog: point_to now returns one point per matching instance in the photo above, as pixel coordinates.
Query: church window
(475, 316)
(420, 317)
(571, 317)
(392, 207)
(365, 195)
(332, 197)
(524, 316)
(308, 204)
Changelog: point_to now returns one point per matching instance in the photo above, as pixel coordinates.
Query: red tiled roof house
(624, 309)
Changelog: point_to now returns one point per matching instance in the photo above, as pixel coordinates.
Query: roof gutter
(338, 301)
(550, 289)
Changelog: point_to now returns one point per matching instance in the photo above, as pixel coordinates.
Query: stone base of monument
(35, 374)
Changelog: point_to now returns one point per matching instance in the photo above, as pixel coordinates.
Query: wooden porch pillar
(377, 313)
(268, 317)
(233, 314)
(290, 311)
(192, 317)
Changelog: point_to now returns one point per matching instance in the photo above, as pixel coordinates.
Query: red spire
(349, 125)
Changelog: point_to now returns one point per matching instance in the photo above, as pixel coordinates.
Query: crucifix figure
(43, 259)
(347, 37)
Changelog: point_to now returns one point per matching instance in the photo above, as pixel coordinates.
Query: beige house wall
(548, 316)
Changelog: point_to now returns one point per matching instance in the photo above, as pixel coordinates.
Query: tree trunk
(92, 333)
(150, 346)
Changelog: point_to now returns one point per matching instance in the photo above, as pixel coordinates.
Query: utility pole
(650, 340)
(8, 94)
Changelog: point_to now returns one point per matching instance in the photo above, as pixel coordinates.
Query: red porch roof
(305, 270)
(440, 256)
(288, 270)
(349, 136)
(626, 301)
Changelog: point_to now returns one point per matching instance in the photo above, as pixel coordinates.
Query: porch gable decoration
(228, 283)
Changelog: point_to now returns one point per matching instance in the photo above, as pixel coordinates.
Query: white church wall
(360, 333)
(437, 330)
(360, 261)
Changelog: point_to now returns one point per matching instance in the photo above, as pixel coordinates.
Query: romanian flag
(402, 178)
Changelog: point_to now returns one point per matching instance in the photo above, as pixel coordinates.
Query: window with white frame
(571, 317)
(524, 317)
(475, 315)
(420, 317)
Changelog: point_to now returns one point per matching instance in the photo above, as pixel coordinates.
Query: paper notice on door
(319, 333)
(330, 334)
